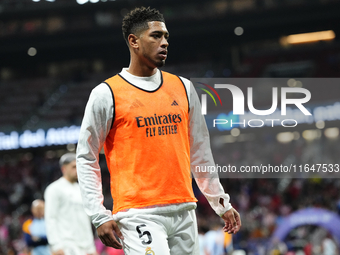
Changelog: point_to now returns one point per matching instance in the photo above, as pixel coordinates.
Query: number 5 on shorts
(141, 234)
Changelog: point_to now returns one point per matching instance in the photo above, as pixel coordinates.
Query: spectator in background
(328, 246)
(35, 230)
(69, 229)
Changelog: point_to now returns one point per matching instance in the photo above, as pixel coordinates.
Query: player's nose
(164, 42)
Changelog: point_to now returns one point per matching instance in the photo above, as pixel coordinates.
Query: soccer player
(69, 230)
(150, 125)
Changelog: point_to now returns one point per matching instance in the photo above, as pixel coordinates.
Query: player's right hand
(232, 221)
(106, 234)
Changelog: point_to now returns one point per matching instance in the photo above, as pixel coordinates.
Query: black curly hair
(137, 20)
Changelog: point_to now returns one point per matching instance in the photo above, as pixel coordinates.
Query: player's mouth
(163, 54)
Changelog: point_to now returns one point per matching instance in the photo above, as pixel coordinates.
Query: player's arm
(95, 126)
(52, 205)
(201, 155)
(90, 247)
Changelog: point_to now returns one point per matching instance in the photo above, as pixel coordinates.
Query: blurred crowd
(112, 16)
(262, 203)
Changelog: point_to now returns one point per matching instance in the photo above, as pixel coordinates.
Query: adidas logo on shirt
(174, 103)
(136, 104)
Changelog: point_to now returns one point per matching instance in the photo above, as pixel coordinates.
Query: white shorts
(160, 234)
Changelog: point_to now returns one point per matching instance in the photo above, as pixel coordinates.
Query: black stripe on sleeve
(114, 108)
(186, 92)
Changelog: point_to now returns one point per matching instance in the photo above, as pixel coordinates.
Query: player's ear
(62, 168)
(133, 41)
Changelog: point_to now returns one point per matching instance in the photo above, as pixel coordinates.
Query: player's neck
(141, 70)
(69, 179)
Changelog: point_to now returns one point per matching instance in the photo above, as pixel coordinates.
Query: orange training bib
(147, 149)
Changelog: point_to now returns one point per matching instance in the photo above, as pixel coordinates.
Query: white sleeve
(95, 126)
(52, 202)
(200, 155)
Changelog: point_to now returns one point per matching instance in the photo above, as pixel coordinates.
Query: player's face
(154, 44)
(70, 171)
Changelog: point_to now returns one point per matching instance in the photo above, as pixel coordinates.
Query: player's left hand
(232, 221)
(106, 234)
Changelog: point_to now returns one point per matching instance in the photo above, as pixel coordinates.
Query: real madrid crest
(148, 251)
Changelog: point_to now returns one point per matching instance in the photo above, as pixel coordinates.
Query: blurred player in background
(69, 230)
(152, 130)
(35, 230)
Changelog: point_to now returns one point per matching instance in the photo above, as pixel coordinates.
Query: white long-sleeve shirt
(67, 224)
(95, 127)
